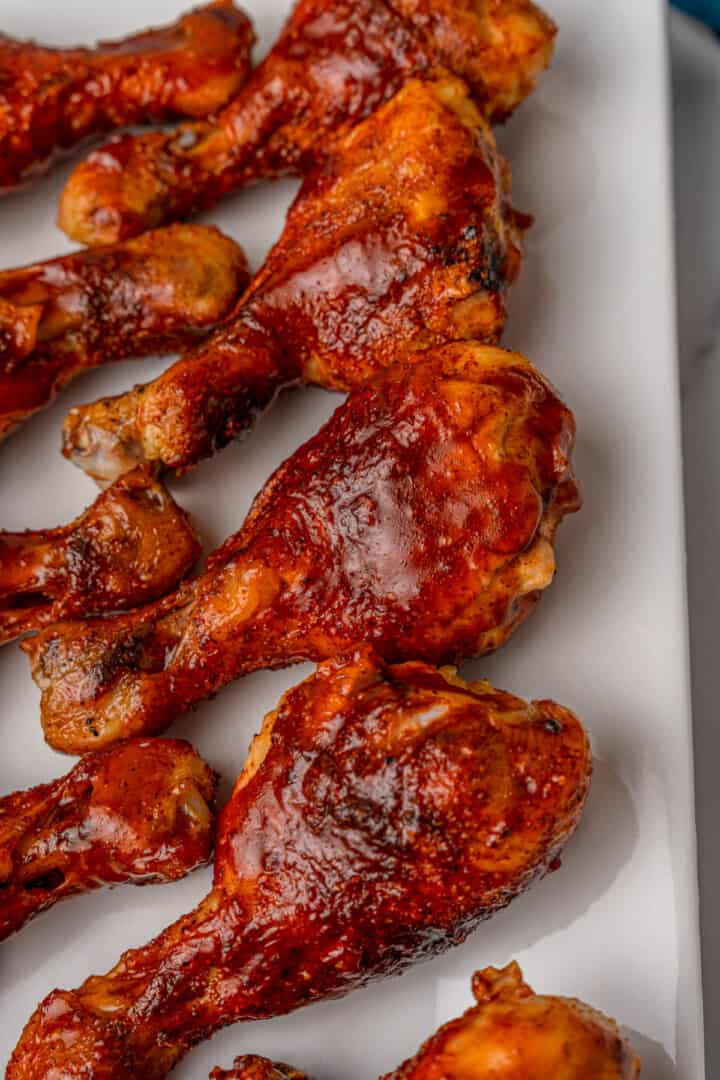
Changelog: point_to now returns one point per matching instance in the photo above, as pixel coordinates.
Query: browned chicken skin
(149, 295)
(382, 814)
(335, 62)
(404, 239)
(251, 1067)
(51, 99)
(515, 1034)
(420, 518)
(140, 812)
(131, 546)
(511, 1034)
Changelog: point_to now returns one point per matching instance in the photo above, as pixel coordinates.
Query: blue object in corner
(707, 10)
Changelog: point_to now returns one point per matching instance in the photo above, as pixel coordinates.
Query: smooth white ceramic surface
(617, 925)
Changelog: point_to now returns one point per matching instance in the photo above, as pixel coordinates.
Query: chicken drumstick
(130, 547)
(335, 62)
(61, 317)
(511, 1034)
(420, 518)
(51, 99)
(381, 815)
(515, 1034)
(404, 240)
(140, 812)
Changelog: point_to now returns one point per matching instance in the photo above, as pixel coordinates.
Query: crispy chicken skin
(335, 62)
(251, 1067)
(149, 295)
(382, 814)
(420, 518)
(139, 812)
(511, 1034)
(131, 546)
(51, 99)
(405, 238)
(515, 1034)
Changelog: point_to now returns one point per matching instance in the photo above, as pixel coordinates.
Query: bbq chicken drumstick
(420, 518)
(510, 1034)
(51, 99)
(150, 295)
(335, 62)
(514, 1034)
(140, 812)
(381, 815)
(403, 240)
(131, 546)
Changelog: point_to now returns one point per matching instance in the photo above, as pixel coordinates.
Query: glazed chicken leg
(420, 518)
(511, 1034)
(138, 812)
(335, 62)
(62, 317)
(515, 1034)
(131, 546)
(382, 814)
(404, 240)
(51, 99)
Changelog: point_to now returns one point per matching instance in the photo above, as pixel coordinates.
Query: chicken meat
(131, 546)
(51, 99)
(140, 812)
(420, 518)
(382, 814)
(149, 295)
(334, 63)
(405, 239)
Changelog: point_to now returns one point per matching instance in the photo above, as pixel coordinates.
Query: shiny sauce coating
(420, 518)
(151, 295)
(335, 62)
(140, 812)
(131, 546)
(404, 239)
(383, 813)
(53, 98)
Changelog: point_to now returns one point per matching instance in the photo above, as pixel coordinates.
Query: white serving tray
(595, 308)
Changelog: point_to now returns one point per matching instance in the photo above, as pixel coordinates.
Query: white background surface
(617, 925)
